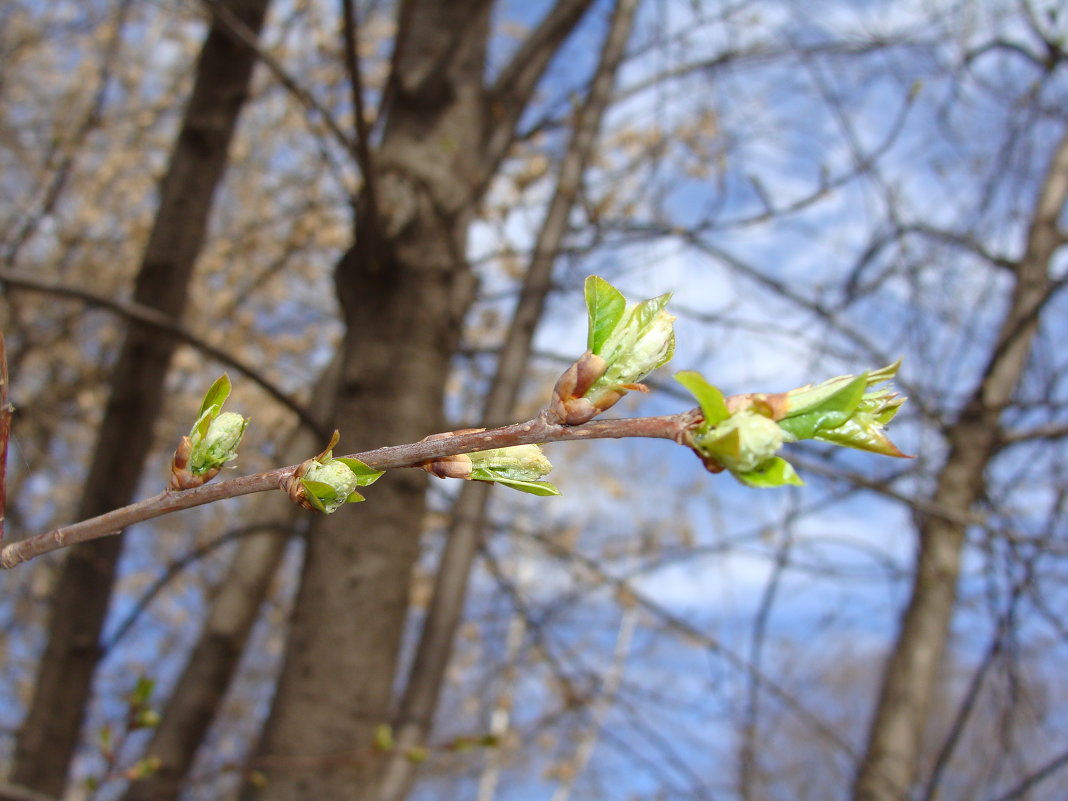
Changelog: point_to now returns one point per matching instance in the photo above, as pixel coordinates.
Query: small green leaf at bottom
(775, 472)
(541, 488)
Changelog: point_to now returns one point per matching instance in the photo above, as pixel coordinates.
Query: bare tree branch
(697, 634)
(1055, 765)
(362, 152)
(887, 770)
(510, 94)
(65, 168)
(157, 320)
(250, 40)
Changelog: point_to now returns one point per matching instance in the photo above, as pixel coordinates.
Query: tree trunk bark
(889, 765)
(50, 732)
(405, 288)
(419, 701)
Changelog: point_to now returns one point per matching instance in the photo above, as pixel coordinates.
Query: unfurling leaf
(846, 411)
(709, 398)
(623, 347)
(212, 441)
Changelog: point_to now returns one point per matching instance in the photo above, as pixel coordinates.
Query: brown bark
(419, 701)
(889, 765)
(49, 734)
(404, 288)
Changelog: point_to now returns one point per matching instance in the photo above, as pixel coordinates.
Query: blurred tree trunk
(50, 732)
(888, 768)
(404, 287)
(419, 701)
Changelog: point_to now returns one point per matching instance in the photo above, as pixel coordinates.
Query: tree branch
(5, 430)
(241, 31)
(536, 431)
(510, 94)
(362, 150)
(132, 310)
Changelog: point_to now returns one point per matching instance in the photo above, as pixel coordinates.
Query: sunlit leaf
(829, 412)
(310, 495)
(775, 473)
(365, 476)
(709, 398)
(540, 488)
(217, 394)
(606, 306)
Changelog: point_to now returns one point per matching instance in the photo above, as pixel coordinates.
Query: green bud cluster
(519, 467)
(325, 483)
(624, 345)
(212, 442)
(218, 444)
(745, 433)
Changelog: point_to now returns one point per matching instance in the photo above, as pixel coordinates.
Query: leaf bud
(741, 443)
(624, 345)
(211, 443)
(518, 463)
(324, 483)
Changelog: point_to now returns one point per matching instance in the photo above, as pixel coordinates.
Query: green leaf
(217, 394)
(320, 489)
(543, 489)
(142, 691)
(145, 719)
(384, 737)
(883, 373)
(417, 755)
(605, 305)
(865, 435)
(355, 497)
(647, 310)
(829, 412)
(709, 398)
(365, 476)
(203, 423)
(775, 472)
(540, 488)
(144, 768)
(311, 497)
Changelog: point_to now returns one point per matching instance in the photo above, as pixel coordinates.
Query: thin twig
(157, 320)
(241, 31)
(5, 429)
(362, 150)
(695, 633)
(536, 431)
